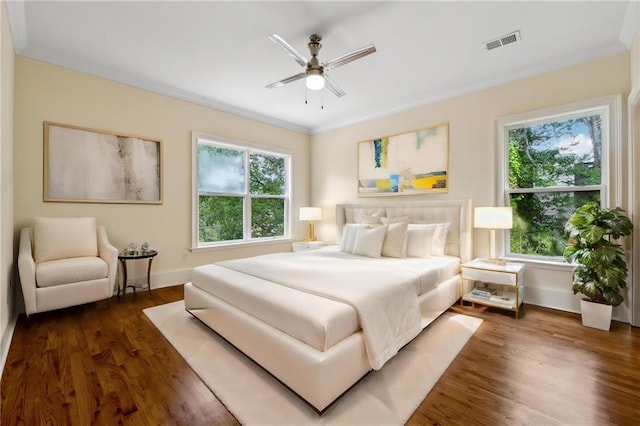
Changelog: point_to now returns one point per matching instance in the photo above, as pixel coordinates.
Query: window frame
(611, 170)
(247, 149)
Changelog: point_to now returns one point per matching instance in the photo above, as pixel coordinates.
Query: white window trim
(195, 243)
(611, 186)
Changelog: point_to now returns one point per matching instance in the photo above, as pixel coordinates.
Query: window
(553, 162)
(241, 193)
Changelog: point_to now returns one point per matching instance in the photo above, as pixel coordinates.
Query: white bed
(316, 326)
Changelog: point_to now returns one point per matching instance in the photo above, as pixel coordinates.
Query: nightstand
(504, 281)
(307, 245)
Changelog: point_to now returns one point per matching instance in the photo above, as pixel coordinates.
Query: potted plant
(601, 271)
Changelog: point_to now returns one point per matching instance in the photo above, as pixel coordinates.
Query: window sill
(554, 265)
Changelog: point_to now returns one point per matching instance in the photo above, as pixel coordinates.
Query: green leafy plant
(601, 271)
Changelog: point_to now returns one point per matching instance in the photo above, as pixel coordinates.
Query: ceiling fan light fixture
(314, 81)
(314, 72)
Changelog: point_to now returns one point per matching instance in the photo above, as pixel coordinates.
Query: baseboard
(552, 298)
(564, 300)
(163, 278)
(5, 343)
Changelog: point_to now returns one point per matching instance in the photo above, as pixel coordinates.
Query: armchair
(65, 262)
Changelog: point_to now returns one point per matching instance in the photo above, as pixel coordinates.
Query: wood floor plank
(105, 363)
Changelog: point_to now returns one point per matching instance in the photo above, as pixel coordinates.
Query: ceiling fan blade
(349, 57)
(333, 86)
(286, 80)
(293, 52)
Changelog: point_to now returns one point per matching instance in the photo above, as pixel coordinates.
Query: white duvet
(384, 298)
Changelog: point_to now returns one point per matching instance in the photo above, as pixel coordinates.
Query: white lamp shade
(493, 217)
(315, 82)
(310, 213)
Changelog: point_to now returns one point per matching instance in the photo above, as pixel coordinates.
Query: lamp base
(492, 250)
(312, 234)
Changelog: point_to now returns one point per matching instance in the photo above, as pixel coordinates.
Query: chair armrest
(109, 254)
(27, 272)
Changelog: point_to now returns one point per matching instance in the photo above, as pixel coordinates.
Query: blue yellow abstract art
(405, 164)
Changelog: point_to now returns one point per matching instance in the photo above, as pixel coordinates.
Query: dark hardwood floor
(105, 363)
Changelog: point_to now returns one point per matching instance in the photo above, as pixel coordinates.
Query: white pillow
(366, 215)
(369, 241)
(438, 239)
(420, 240)
(64, 237)
(349, 231)
(388, 220)
(395, 240)
(370, 219)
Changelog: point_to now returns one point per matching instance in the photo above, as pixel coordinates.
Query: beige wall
(47, 92)
(472, 147)
(6, 184)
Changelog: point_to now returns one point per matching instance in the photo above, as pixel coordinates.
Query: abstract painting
(405, 164)
(96, 166)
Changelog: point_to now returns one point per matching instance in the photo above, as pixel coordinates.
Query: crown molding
(631, 24)
(17, 23)
(193, 98)
(592, 54)
(159, 88)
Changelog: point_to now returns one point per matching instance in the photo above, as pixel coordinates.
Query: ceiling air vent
(503, 41)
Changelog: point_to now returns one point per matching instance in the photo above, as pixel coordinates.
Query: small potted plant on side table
(601, 271)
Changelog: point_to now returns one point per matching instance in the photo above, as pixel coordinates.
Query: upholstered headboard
(456, 212)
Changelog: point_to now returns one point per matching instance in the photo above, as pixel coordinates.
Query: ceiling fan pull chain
(322, 99)
(306, 93)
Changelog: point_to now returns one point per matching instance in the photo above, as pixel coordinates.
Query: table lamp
(493, 218)
(310, 214)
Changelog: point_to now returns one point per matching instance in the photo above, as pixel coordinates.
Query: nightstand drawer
(496, 277)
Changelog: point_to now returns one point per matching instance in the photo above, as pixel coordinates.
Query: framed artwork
(405, 164)
(97, 166)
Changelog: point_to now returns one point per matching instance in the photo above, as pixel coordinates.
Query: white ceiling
(218, 53)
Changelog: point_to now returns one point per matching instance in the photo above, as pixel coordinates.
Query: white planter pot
(596, 315)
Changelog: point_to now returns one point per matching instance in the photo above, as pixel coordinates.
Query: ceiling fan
(315, 73)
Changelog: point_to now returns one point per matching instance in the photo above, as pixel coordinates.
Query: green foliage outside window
(221, 218)
(548, 165)
(221, 175)
(267, 217)
(266, 175)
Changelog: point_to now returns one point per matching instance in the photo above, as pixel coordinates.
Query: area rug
(385, 397)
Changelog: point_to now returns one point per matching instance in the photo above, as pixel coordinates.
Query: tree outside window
(553, 166)
(242, 193)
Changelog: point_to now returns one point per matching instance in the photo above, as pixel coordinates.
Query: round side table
(137, 255)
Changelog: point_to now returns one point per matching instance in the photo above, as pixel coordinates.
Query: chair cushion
(73, 270)
(64, 237)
